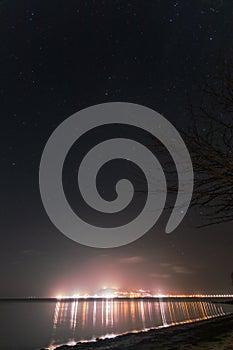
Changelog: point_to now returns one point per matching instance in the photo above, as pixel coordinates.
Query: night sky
(60, 57)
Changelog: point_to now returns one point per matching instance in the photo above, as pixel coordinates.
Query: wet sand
(215, 334)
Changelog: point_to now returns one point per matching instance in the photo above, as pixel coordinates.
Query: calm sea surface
(34, 325)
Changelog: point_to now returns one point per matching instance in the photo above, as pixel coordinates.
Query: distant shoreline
(158, 299)
(215, 333)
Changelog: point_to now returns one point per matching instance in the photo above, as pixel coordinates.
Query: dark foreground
(215, 334)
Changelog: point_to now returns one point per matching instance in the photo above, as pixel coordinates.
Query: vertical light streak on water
(200, 311)
(196, 310)
(211, 310)
(132, 311)
(56, 321)
(112, 314)
(136, 310)
(142, 313)
(120, 311)
(203, 313)
(84, 314)
(94, 313)
(170, 312)
(181, 308)
(116, 312)
(222, 312)
(74, 314)
(173, 313)
(106, 312)
(188, 312)
(162, 311)
(56, 314)
(125, 309)
(66, 307)
(207, 308)
(155, 308)
(87, 311)
(216, 310)
(191, 310)
(149, 310)
(184, 311)
(62, 311)
(102, 313)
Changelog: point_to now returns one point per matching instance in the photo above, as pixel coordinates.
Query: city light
(108, 293)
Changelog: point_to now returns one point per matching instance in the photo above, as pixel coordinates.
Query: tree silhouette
(210, 142)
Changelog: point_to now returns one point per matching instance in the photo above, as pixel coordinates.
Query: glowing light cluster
(141, 293)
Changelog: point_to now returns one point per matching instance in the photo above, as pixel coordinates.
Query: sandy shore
(215, 334)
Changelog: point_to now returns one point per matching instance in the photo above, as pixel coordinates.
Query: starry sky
(58, 58)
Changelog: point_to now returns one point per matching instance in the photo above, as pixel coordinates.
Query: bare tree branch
(210, 142)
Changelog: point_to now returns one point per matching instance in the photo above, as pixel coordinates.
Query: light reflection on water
(87, 320)
(35, 325)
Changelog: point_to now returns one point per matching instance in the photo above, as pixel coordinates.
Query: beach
(215, 333)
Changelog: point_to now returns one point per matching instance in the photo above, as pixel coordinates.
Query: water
(34, 325)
